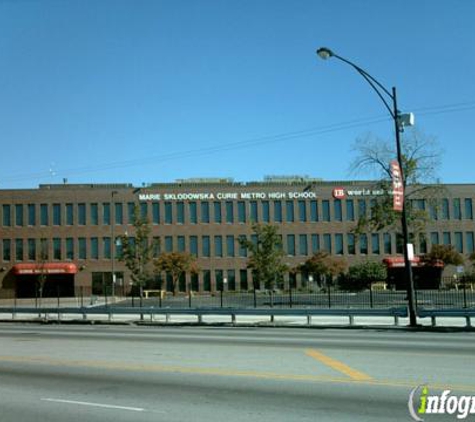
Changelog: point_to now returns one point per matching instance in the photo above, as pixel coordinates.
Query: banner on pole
(398, 187)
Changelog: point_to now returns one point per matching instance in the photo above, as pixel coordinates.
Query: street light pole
(326, 53)
(112, 222)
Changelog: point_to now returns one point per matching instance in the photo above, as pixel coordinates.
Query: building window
(422, 243)
(19, 249)
(242, 248)
(31, 214)
(205, 212)
(303, 245)
(446, 238)
(458, 242)
(434, 238)
(218, 276)
(69, 248)
(445, 209)
(265, 211)
(433, 214)
(194, 245)
(44, 217)
(457, 209)
(82, 248)
(278, 211)
(399, 243)
(44, 249)
(7, 249)
(388, 248)
(229, 212)
(168, 213)
(326, 210)
(144, 210)
(241, 212)
(19, 215)
(31, 249)
(7, 217)
(350, 210)
(181, 246)
(469, 242)
(243, 279)
(468, 209)
(205, 246)
(253, 208)
(302, 207)
(231, 280)
(193, 212)
(375, 243)
(291, 244)
(155, 213)
(207, 280)
(361, 208)
(106, 214)
(82, 214)
(230, 246)
(168, 244)
(57, 249)
(338, 210)
(130, 212)
(119, 213)
(339, 244)
(327, 243)
(363, 244)
(106, 245)
(69, 214)
(351, 243)
(94, 214)
(313, 211)
(94, 248)
(289, 208)
(315, 239)
(180, 212)
(218, 246)
(218, 218)
(156, 247)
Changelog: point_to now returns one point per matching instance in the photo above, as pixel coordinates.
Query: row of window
(218, 212)
(229, 246)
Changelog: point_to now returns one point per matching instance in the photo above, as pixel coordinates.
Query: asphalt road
(106, 373)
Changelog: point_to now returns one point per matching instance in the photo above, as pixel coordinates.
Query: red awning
(398, 262)
(47, 268)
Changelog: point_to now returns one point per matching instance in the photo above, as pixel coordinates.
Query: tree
(420, 161)
(322, 265)
(137, 251)
(43, 275)
(266, 255)
(176, 264)
(445, 253)
(361, 276)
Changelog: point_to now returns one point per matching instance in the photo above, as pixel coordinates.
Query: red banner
(398, 186)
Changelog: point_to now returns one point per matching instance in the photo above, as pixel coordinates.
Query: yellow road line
(149, 368)
(337, 365)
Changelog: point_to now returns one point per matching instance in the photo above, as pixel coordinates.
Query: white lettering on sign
(224, 196)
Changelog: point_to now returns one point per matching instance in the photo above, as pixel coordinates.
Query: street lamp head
(325, 53)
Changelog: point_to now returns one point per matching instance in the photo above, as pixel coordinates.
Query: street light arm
(375, 84)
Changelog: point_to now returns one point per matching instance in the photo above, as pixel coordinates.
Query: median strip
(337, 365)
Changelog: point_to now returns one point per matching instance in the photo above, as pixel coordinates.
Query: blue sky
(100, 91)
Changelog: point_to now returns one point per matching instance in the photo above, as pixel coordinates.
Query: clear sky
(99, 91)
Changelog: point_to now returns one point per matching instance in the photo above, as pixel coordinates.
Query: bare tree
(421, 158)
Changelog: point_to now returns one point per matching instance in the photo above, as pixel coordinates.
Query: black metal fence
(462, 297)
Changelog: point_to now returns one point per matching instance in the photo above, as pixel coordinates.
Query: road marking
(129, 367)
(85, 403)
(337, 365)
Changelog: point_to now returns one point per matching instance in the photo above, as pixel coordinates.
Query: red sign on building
(338, 193)
(398, 186)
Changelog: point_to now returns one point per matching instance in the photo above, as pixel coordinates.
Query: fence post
(329, 297)
(81, 292)
(371, 296)
(255, 297)
(189, 297)
(290, 296)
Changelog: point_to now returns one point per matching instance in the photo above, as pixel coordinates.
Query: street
(110, 373)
